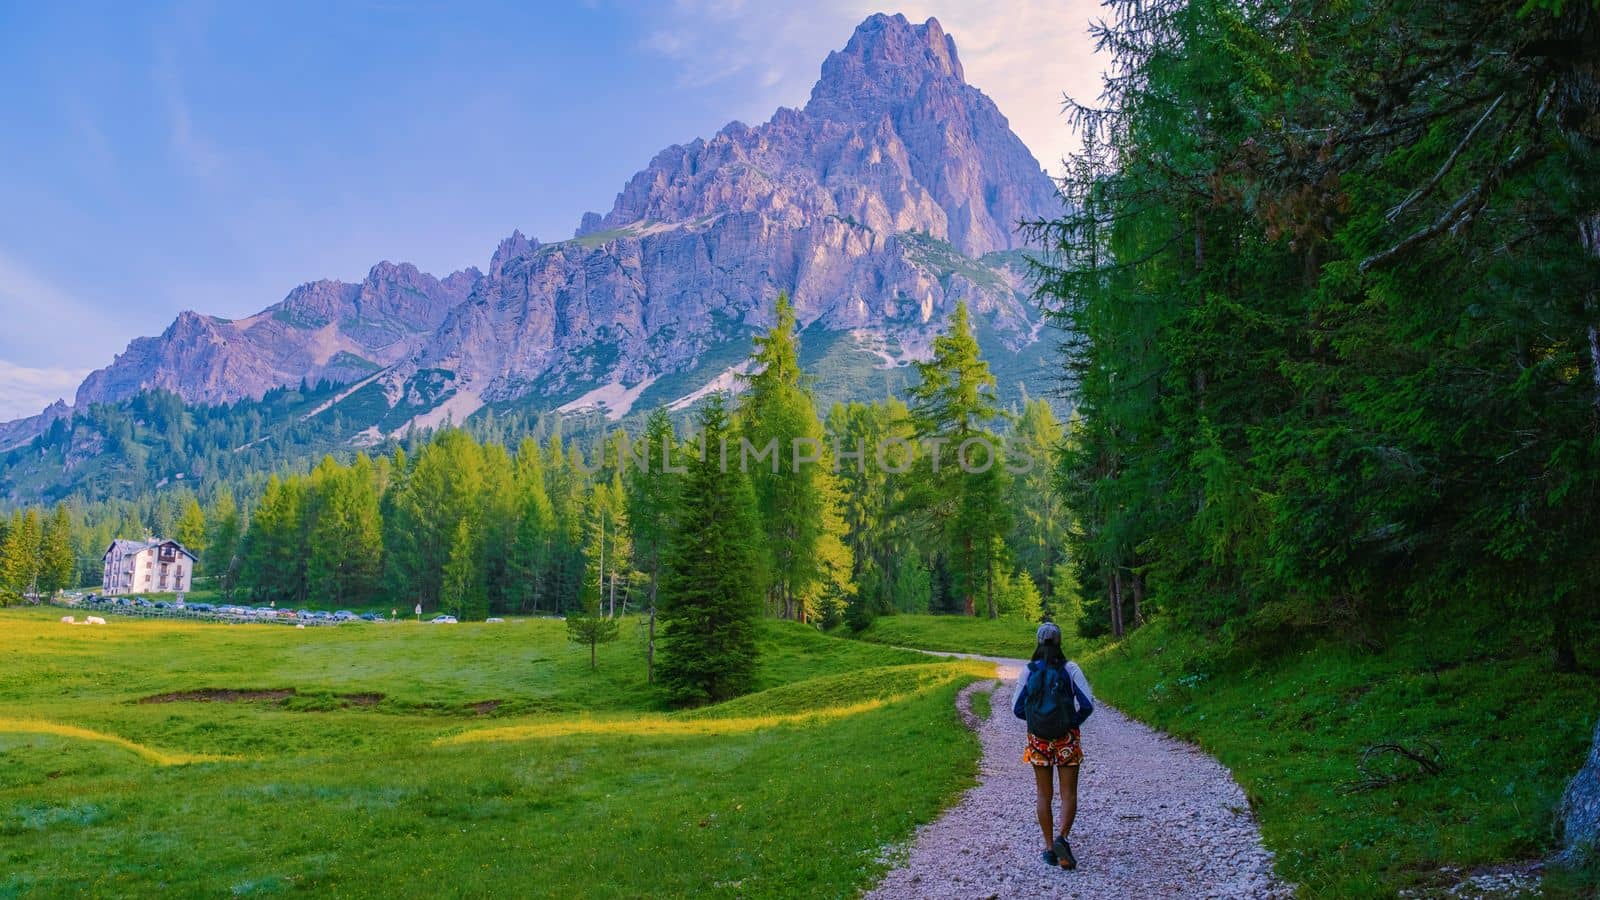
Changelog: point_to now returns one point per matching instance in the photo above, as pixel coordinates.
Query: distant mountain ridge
(894, 193)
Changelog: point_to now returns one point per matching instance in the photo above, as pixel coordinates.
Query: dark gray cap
(1049, 631)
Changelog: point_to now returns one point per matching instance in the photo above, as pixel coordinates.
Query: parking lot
(230, 613)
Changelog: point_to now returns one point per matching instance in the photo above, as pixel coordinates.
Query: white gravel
(1156, 818)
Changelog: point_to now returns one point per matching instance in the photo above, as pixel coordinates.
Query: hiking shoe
(1049, 857)
(1063, 853)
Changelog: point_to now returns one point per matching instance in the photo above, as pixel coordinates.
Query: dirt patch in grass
(368, 699)
(221, 695)
(484, 707)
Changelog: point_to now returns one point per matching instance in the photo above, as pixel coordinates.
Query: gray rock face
(323, 329)
(892, 138)
(895, 193)
(1580, 809)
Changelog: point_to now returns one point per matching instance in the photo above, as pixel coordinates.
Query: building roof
(127, 546)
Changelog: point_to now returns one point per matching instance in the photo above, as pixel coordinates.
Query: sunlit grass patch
(58, 729)
(809, 702)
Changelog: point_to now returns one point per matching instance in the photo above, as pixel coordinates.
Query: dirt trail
(1156, 818)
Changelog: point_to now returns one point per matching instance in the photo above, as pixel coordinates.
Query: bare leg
(1069, 798)
(1041, 778)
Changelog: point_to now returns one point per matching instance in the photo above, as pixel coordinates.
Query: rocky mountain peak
(887, 61)
(896, 192)
(510, 248)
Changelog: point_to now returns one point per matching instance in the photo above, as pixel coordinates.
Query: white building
(152, 567)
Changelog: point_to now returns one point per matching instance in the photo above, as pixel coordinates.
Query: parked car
(443, 620)
(370, 617)
(344, 615)
(201, 607)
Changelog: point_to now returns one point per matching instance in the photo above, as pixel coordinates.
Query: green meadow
(150, 756)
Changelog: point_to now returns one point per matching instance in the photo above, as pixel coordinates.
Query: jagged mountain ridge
(894, 193)
(323, 330)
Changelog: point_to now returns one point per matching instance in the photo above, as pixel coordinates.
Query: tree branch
(1449, 163)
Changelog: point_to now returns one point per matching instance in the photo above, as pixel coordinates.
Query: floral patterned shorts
(1063, 751)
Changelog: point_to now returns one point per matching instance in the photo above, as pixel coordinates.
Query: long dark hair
(1050, 652)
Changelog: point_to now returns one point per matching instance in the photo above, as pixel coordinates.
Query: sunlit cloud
(25, 391)
(45, 362)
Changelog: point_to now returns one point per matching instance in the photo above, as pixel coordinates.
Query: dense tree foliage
(882, 508)
(1331, 316)
(960, 481)
(791, 468)
(711, 593)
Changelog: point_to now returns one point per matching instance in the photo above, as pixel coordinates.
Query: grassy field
(1509, 733)
(453, 760)
(1011, 638)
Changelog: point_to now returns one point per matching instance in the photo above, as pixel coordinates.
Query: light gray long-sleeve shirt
(1073, 671)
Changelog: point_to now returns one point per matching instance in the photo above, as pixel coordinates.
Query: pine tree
(587, 627)
(535, 528)
(1039, 525)
(711, 591)
(441, 490)
(497, 520)
(886, 555)
(345, 538)
(275, 546)
(191, 527)
(798, 500)
(564, 488)
(590, 625)
(652, 494)
(950, 411)
(221, 558)
(20, 560)
(462, 586)
(56, 564)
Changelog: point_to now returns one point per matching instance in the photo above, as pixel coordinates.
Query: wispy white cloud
(59, 330)
(195, 152)
(1025, 54)
(24, 391)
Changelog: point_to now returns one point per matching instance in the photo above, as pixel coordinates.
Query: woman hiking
(1054, 698)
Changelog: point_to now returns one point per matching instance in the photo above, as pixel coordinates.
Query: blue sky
(212, 156)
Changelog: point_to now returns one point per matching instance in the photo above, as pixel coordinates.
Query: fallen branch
(1427, 759)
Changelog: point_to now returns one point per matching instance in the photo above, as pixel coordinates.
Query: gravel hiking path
(1156, 818)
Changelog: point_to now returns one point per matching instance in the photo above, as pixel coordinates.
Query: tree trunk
(1138, 600)
(1114, 593)
(1589, 234)
(592, 644)
(1565, 656)
(989, 588)
(650, 641)
(969, 602)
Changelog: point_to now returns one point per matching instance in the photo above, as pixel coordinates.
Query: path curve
(1156, 818)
